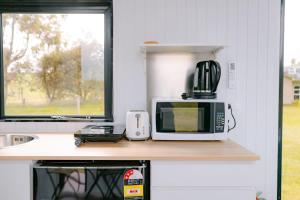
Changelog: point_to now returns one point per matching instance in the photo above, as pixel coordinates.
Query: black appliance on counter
(205, 81)
(91, 180)
(96, 133)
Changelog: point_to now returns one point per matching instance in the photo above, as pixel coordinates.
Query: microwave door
(184, 117)
(167, 120)
(165, 117)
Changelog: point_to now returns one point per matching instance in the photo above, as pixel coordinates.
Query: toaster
(137, 125)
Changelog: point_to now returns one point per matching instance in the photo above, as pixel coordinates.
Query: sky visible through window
(291, 32)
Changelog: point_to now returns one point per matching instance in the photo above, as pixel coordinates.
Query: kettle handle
(218, 73)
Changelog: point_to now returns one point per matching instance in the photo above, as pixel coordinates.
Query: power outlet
(231, 75)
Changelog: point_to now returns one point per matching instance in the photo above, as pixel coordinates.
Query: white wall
(250, 28)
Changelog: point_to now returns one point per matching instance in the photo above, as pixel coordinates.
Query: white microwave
(194, 119)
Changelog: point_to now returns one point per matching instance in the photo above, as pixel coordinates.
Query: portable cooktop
(96, 133)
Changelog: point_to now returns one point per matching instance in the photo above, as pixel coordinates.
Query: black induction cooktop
(96, 133)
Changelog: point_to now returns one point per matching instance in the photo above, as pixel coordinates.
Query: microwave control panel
(219, 117)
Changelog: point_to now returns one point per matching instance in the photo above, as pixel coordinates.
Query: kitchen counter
(61, 147)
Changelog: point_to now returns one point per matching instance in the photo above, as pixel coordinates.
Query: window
(56, 60)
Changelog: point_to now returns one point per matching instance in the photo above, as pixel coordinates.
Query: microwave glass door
(183, 117)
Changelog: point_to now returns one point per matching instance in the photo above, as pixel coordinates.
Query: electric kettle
(205, 81)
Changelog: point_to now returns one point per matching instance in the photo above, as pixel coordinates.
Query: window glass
(53, 64)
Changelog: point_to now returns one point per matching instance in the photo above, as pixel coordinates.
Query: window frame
(65, 6)
(280, 101)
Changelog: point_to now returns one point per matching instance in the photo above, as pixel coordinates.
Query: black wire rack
(85, 181)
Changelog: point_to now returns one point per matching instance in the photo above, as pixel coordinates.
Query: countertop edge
(61, 147)
(175, 158)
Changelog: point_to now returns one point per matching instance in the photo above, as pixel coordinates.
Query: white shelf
(175, 48)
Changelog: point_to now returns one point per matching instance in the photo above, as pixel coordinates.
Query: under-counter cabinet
(15, 180)
(176, 180)
(193, 170)
(209, 180)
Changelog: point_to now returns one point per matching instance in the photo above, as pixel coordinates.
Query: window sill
(96, 120)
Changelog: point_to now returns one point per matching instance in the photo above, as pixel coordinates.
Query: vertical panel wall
(251, 31)
(249, 28)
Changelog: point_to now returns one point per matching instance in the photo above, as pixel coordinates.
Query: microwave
(192, 119)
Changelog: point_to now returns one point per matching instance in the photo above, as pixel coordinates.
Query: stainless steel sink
(7, 140)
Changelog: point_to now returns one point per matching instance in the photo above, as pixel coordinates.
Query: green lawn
(29, 98)
(291, 152)
(58, 108)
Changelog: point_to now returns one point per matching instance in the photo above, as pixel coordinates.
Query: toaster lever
(138, 116)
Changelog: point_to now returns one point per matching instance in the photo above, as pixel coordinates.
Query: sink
(7, 140)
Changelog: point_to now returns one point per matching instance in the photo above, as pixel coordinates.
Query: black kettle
(205, 81)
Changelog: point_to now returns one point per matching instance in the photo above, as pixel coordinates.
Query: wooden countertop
(61, 146)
